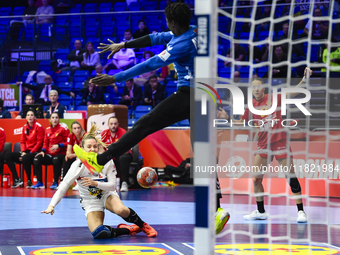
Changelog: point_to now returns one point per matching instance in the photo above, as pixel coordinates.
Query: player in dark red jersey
(53, 151)
(277, 145)
(31, 142)
(75, 137)
(122, 163)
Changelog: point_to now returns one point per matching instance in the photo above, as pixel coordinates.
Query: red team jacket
(32, 138)
(2, 139)
(262, 133)
(57, 135)
(72, 140)
(108, 139)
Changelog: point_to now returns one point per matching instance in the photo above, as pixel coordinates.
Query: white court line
(21, 250)
(189, 246)
(333, 246)
(170, 249)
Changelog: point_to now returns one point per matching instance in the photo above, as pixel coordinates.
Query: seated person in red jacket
(153, 91)
(2, 144)
(112, 135)
(55, 106)
(132, 94)
(53, 151)
(93, 95)
(32, 138)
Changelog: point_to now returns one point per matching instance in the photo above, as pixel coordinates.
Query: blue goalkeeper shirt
(181, 50)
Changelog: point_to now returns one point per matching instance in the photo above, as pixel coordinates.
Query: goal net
(273, 40)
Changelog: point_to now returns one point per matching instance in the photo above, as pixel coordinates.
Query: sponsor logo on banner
(18, 131)
(10, 94)
(102, 249)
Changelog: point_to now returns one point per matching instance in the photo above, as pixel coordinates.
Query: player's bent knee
(294, 185)
(102, 232)
(257, 181)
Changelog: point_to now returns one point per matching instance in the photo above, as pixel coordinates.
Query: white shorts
(96, 205)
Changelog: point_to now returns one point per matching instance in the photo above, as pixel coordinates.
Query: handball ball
(147, 177)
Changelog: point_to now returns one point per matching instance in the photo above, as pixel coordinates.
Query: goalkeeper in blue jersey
(181, 50)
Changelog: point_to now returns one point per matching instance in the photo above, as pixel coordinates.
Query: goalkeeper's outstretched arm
(307, 73)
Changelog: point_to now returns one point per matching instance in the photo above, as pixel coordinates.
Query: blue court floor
(170, 210)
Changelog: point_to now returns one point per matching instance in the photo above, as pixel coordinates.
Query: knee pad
(294, 185)
(102, 232)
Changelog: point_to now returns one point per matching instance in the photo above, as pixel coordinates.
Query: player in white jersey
(98, 192)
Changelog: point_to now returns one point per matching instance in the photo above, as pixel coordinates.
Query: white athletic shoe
(302, 217)
(75, 187)
(124, 187)
(256, 215)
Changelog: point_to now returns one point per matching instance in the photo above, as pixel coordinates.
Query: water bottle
(4, 180)
(118, 184)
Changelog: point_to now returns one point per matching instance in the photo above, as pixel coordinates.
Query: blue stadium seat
(262, 70)
(105, 19)
(162, 5)
(64, 100)
(92, 30)
(45, 32)
(119, 6)
(116, 100)
(91, 7)
(107, 98)
(64, 76)
(171, 87)
(18, 10)
(105, 7)
(80, 76)
(78, 85)
(134, 6)
(131, 122)
(150, 5)
(61, 53)
(77, 8)
(108, 31)
(184, 123)
(5, 11)
(81, 107)
(65, 85)
(44, 65)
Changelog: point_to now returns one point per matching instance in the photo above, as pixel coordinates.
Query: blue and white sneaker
(54, 185)
(39, 185)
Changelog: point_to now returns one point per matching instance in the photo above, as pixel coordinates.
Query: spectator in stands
(247, 12)
(265, 51)
(90, 58)
(112, 135)
(132, 94)
(279, 56)
(143, 78)
(39, 3)
(304, 6)
(154, 92)
(43, 13)
(239, 54)
(123, 59)
(62, 6)
(237, 76)
(93, 95)
(75, 137)
(42, 90)
(29, 99)
(55, 106)
(100, 69)
(16, 25)
(32, 139)
(127, 36)
(76, 57)
(4, 113)
(319, 28)
(256, 54)
(143, 30)
(53, 151)
(2, 144)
